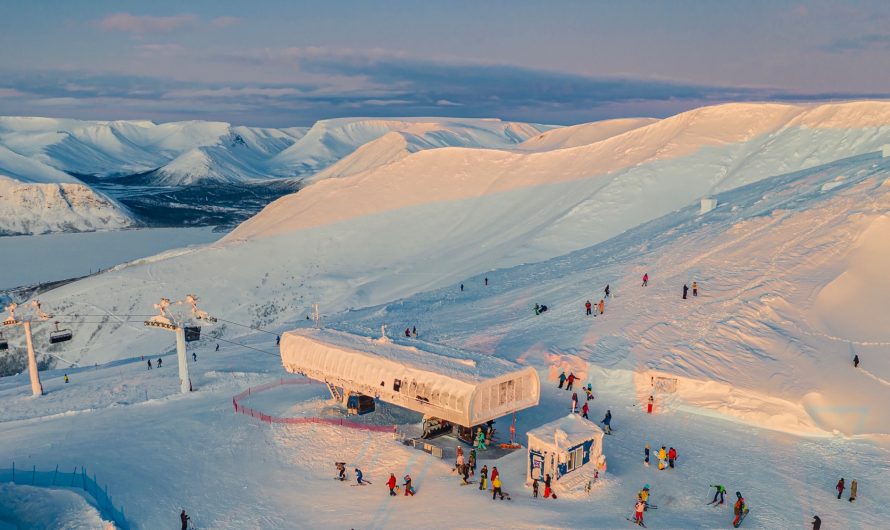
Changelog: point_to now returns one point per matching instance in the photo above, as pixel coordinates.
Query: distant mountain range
(72, 175)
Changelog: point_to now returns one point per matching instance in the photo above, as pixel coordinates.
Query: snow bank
(47, 509)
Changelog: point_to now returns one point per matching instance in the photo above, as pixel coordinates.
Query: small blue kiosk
(564, 446)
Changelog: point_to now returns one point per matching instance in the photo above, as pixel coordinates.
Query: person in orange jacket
(602, 306)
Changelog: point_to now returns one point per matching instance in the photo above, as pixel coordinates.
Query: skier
(483, 477)
(584, 411)
(650, 404)
(602, 306)
(606, 290)
(856, 361)
(195, 356)
(740, 510)
(643, 495)
(721, 491)
(486, 281)
(817, 522)
(160, 361)
(277, 340)
(461, 287)
(638, 512)
(359, 477)
(574, 401)
(341, 470)
(496, 487)
(535, 488)
(694, 288)
(392, 485)
(217, 346)
(645, 279)
(588, 306)
(149, 364)
(408, 332)
(66, 378)
(589, 392)
(480, 440)
(685, 290)
(184, 519)
(472, 462)
(607, 422)
(853, 487)
(646, 452)
(570, 380)
(414, 331)
(547, 491)
(662, 458)
(562, 378)
(840, 488)
(408, 489)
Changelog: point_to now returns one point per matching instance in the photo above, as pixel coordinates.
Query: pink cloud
(223, 22)
(141, 24)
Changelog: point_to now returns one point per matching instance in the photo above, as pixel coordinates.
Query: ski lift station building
(563, 446)
(464, 388)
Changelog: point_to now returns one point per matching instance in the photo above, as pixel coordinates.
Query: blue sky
(281, 63)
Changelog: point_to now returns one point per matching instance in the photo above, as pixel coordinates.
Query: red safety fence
(267, 418)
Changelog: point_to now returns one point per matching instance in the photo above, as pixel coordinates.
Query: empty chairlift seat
(192, 333)
(60, 335)
(4, 344)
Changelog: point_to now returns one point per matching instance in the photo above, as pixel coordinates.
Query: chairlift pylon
(60, 335)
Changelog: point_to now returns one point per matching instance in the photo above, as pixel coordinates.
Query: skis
(635, 522)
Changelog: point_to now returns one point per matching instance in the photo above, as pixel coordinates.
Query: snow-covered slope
(583, 134)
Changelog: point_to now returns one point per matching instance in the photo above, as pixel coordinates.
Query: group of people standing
(666, 457)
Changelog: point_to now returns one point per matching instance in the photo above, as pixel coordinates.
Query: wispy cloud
(223, 22)
(871, 41)
(140, 25)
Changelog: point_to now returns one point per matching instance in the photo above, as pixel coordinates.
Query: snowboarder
(721, 491)
(547, 491)
(66, 378)
(195, 356)
(574, 401)
(853, 487)
(643, 495)
(408, 332)
(570, 380)
(409, 490)
(588, 306)
(672, 455)
(584, 410)
(184, 519)
(740, 510)
(650, 404)
(856, 361)
(685, 290)
(562, 378)
(359, 477)
(840, 488)
(817, 522)
(589, 392)
(535, 488)
(646, 452)
(606, 290)
(483, 477)
(414, 331)
(645, 279)
(694, 288)
(496, 487)
(461, 287)
(662, 458)
(486, 281)
(392, 485)
(480, 440)
(602, 306)
(341, 470)
(149, 364)
(160, 361)
(638, 512)
(472, 462)
(607, 422)
(217, 346)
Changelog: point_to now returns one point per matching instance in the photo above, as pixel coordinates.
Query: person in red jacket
(588, 306)
(584, 411)
(392, 485)
(494, 473)
(645, 279)
(840, 488)
(672, 455)
(569, 380)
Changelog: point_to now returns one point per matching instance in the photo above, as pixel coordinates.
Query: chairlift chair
(60, 335)
(192, 333)
(4, 344)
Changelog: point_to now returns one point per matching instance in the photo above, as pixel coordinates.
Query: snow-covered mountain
(110, 156)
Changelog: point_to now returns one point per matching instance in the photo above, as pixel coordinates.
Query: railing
(76, 479)
(268, 418)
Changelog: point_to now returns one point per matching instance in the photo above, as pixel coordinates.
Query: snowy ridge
(583, 134)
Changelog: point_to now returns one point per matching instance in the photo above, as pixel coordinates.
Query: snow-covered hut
(464, 388)
(564, 445)
(707, 204)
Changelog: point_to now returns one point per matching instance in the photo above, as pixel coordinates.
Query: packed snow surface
(27, 507)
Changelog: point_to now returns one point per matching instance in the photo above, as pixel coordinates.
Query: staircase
(335, 392)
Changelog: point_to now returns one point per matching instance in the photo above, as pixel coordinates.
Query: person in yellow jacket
(694, 288)
(662, 458)
(496, 485)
